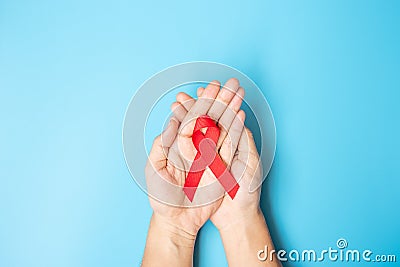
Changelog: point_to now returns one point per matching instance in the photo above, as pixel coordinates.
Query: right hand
(238, 150)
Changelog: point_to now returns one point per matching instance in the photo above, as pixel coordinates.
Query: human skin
(241, 224)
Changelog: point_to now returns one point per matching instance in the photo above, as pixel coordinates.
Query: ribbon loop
(205, 144)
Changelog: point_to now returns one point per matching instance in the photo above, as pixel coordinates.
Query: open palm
(238, 150)
(173, 152)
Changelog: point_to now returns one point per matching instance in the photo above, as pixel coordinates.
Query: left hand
(168, 157)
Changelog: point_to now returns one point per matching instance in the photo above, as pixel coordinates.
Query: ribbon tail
(191, 184)
(225, 178)
(193, 178)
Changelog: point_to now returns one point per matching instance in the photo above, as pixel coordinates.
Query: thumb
(162, 143)
(247, 154)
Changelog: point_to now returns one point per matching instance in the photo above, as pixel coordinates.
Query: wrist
(238, 219)
(243, 238)
(179, 236)
(239, 225)
(167, 244)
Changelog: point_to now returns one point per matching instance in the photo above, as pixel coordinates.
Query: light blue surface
(329, 69)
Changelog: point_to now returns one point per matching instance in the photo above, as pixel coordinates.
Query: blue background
(329, 69)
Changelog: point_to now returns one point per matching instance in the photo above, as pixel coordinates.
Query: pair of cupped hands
(172, 152)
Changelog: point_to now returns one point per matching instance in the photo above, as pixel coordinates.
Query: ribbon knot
(207, 156)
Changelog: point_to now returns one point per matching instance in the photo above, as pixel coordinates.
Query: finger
(170, 133)
(231, 142)
(247, 157)
(162, 143)
(182, 105)
(201, 107)
(206, 99)
(186, 100)
(229, 115)
(246, 146)
(179, 111)
(224, 97)
(200, 91)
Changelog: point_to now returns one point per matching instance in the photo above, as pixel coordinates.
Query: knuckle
(157, 140)
(213, 114)
(249, 133)
(227, 141)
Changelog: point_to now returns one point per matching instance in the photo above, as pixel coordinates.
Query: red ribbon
(205, 144)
